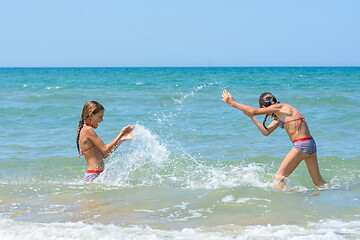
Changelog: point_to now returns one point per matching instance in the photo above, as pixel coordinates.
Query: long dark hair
(265, 100)
(89, 107)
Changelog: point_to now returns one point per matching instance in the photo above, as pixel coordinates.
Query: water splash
(148, 162)
(193, 92)
(145, 153)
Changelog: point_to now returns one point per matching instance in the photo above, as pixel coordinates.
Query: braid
(81, 124)
(266, 116)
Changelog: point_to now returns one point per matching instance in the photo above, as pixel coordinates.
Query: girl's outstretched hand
(126, 133)
(127, 137)
(227, 97)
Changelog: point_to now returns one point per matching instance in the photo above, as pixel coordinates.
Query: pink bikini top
(281, 123)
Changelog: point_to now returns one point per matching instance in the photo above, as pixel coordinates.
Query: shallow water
(197, 168)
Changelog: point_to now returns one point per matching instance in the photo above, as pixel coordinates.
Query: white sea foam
(327, 229)
(231, 199)
(227, 199)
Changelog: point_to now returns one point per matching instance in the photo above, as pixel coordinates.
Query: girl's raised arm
(265, 131)
(248, 109)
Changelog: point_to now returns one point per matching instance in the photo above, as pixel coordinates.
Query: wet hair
(265, 100)
(89, 107)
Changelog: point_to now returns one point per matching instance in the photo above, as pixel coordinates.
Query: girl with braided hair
(95, 149)
(290, 119)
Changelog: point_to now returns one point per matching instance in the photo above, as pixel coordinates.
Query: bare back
(92, 154)
(294, 126)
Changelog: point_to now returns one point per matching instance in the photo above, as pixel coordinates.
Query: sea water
(197, 169)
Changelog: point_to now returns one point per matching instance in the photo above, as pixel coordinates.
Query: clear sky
(160, 33)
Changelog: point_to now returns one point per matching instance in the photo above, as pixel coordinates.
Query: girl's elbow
(266, 134)
(105, 153)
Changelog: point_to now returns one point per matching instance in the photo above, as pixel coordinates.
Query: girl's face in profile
(97, 118)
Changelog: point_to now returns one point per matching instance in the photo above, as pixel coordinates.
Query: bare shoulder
(87, 131)
(286, 109)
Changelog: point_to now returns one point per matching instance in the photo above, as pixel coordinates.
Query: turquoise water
(197, 168)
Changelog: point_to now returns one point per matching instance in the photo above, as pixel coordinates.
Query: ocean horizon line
(44, 67)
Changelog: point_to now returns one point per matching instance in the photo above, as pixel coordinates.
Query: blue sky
(116, 33)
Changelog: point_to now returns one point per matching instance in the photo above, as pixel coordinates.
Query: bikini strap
(301, 120)
(82, 152)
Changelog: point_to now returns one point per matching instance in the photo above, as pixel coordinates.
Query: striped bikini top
(281, 123)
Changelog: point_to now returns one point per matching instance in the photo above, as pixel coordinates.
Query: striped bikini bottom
(306, 145)
(90, 175)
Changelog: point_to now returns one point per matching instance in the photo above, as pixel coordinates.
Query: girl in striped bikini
(289, 118)
(95, 149)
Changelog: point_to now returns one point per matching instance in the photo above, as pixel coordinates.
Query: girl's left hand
(127, 137)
